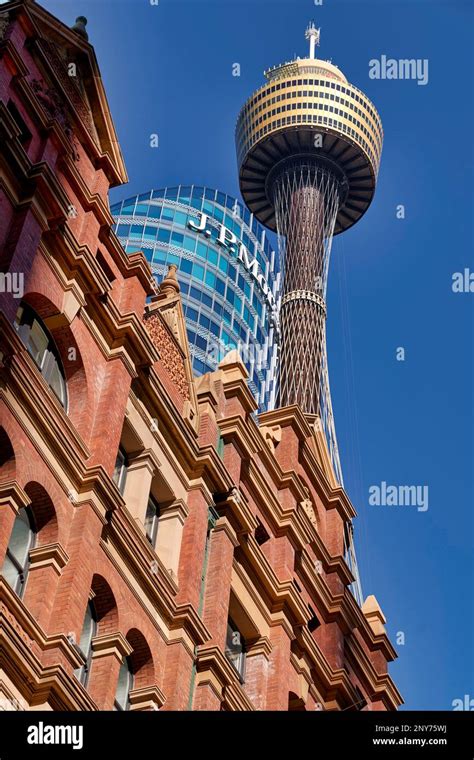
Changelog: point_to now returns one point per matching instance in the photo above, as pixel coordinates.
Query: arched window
(124, 686)
(89, 630)
(42, 349)
(22, 540)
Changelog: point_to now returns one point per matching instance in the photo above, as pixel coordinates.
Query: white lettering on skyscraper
(227, 239)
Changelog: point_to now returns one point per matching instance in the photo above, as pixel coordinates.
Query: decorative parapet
(164, 322)
(374, 615)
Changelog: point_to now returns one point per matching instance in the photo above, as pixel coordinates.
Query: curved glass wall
(227, 270)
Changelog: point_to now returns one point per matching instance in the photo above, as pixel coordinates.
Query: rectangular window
(204, 321)
(201, 250)
(180, 218)
(120, 470)
(198, 271)
(177, 238)
(210, 279)
(151, 520)
(186, 266)
(167, 214)
(154, 212)
(235, 649)
(164, 235)
(212, 256)
(149, 233)
(201, 342)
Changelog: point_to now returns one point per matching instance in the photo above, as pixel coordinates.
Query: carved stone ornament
(272, 436)
(307, 506)
(54, 106)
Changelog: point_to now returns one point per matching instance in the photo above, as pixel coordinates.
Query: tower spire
(312, 34)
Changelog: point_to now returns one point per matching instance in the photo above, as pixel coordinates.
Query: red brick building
(160, 546)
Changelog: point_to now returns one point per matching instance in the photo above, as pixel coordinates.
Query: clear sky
(168, 70)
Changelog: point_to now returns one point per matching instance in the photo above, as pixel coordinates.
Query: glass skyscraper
(227, 270)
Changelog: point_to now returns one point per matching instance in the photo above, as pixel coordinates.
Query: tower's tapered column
(306, 201)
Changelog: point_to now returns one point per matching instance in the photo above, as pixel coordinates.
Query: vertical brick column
(19, 251)
(108, 421)
(330, 640)
(283, 557)
(334, 532)
(192, 547)
(208, 693)
(177, 675)
(218, 581)
(12, 499)
(75, 582)
(279, 670)
(107, 656)
(233, 461)
(46, 564)
(257, 666)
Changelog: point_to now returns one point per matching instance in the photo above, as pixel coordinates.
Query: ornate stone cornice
(146, 698)
(282, 595)
(111, 645)
(214, 669)
(379, 686)
(12, 495)
(48, 555)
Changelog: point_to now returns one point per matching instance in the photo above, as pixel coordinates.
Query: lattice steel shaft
(306, 198)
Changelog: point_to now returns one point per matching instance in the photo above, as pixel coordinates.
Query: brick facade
(250, 517)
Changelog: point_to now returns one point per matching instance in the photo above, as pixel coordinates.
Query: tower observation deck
(308, 150)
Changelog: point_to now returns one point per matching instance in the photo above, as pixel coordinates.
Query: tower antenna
(313, 35)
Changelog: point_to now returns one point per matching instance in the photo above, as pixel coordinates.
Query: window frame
(50, 358)
(83, 672)
(151, 536)
(241, 656)
(122, 477)
(22, 577)
(130, 682)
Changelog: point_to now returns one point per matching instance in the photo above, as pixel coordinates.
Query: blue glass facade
(227, 270)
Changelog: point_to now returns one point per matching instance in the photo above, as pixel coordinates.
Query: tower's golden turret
(301, 100)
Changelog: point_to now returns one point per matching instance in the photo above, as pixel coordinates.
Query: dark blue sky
(168, 70)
